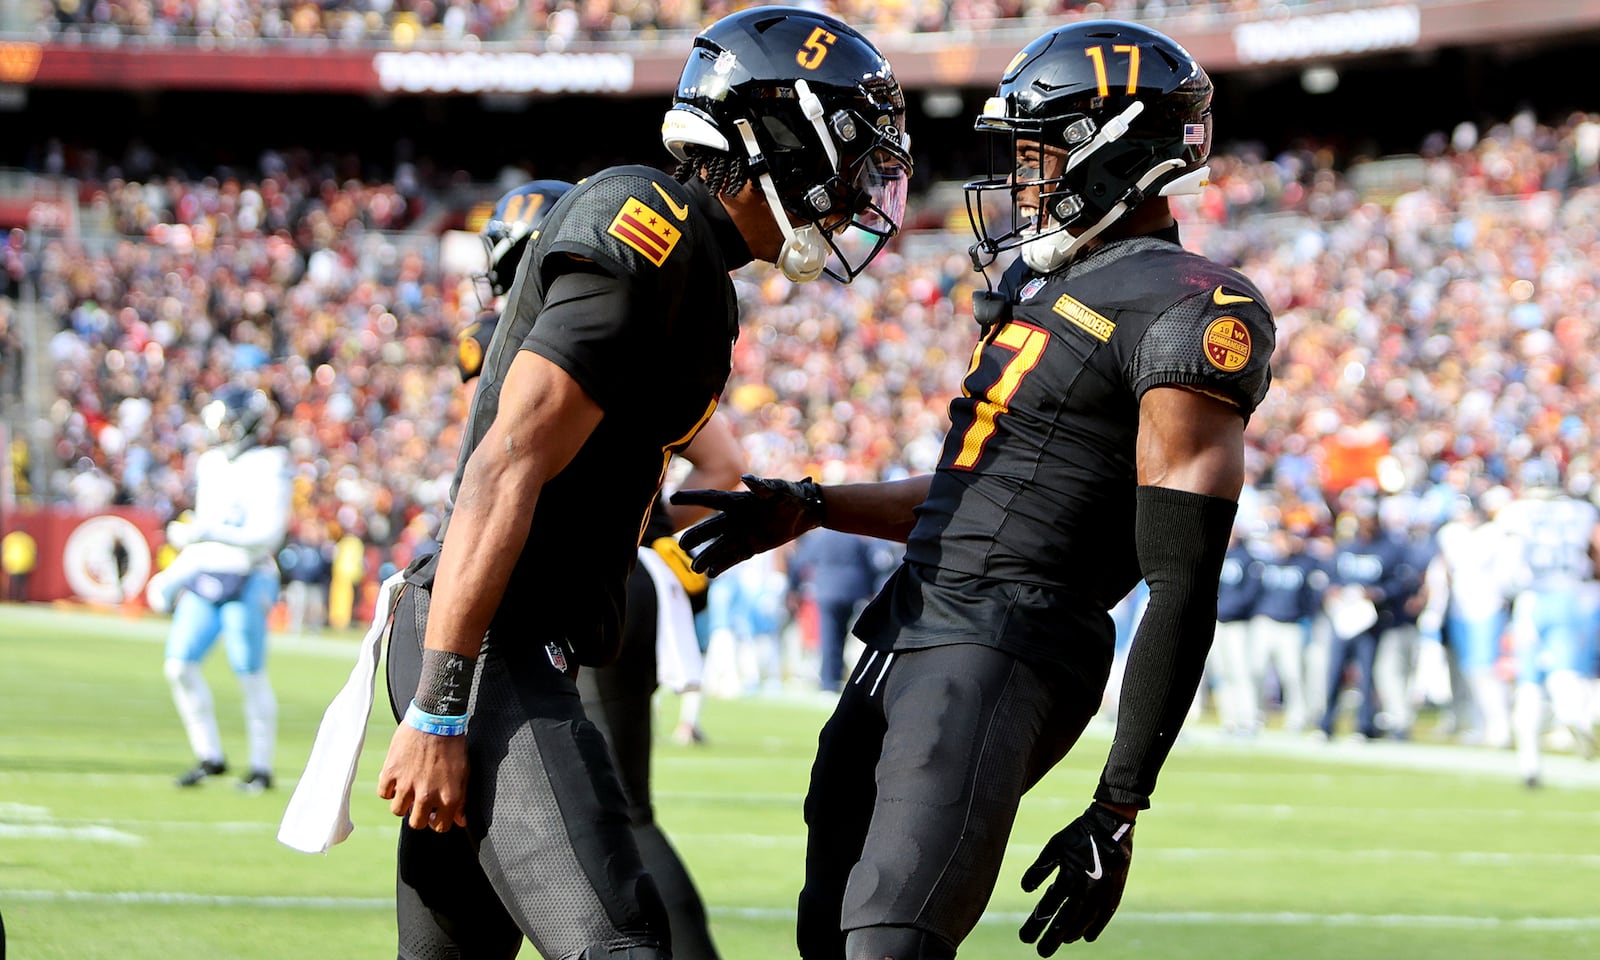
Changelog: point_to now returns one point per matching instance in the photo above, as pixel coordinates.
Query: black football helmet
(516, 217)
(817, 114)
(238, 418)
(1121, 111)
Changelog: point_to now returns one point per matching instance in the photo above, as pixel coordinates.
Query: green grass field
(1275, 848)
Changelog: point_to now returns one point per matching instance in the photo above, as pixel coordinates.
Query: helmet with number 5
(813, 111)
(516, 217)
(1088, 121)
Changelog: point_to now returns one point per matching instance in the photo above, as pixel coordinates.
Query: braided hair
(722, 173)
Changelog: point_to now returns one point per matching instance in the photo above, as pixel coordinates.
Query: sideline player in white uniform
(1471, 582)
(225, 580)
(1553, 616)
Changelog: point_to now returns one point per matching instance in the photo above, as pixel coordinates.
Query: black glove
(770, 515)
(1093, 853)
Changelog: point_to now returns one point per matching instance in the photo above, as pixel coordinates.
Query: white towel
(318, 815)
(679, 664)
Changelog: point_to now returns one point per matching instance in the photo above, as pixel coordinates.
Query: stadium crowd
(1435, 314)
(554, 24)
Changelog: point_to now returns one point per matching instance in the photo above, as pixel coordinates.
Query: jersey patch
(1227, 344)
(639, 226)
(1093, 323)
(1030, 288)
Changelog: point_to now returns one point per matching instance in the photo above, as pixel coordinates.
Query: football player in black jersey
(790, 128)
(617, 697)
(1099, 436)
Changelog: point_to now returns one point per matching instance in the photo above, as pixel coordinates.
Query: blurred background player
(1238, 591)
(1292, 587)
(1553, 617)
(662, 592)
(224, 580)
(1374, 575)
(1470, 583)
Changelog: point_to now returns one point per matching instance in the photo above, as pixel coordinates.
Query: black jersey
(1036, 484)
(655, 359)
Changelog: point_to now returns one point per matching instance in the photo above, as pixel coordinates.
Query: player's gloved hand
(1093, 854)
(771, 514)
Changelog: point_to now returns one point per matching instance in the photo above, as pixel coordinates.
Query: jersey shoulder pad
(1217, 337)
(633, 220)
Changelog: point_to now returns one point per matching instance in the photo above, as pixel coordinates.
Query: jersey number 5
(1028, 342)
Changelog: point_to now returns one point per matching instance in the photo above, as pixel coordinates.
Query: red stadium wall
(79, 555)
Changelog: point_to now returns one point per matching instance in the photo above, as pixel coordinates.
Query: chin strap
(1047, 253)
(804, 253)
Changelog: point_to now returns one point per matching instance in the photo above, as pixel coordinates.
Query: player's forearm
(884, 510)
(488, 528)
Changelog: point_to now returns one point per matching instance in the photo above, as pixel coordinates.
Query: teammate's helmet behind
(516, 217)
(814, 110)
(472, 344)
(1116, 111)
(238, 417)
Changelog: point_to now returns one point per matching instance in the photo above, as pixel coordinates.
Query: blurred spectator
(407, 23)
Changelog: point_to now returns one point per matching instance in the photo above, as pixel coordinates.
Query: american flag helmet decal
(1194, 133)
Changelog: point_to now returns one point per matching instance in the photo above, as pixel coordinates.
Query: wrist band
(445, 687)
(420, 719)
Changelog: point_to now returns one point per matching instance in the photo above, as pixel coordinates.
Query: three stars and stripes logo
(639, 226)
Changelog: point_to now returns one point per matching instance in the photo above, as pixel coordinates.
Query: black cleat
(258, 781)
(201, 770)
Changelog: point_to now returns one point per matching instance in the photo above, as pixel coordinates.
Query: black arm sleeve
(1181, 538)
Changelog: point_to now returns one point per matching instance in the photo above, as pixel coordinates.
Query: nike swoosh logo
(682, 212)
(1217, 296)
(1095, 873)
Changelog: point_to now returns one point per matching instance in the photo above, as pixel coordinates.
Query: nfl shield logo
(1030, 288)
(558, 657)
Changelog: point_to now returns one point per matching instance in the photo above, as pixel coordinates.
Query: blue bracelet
(420, 719)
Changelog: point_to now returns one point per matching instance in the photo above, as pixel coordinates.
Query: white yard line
(1125, 917)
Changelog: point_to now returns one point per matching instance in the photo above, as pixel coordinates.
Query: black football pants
(548, 852)
(915, 787)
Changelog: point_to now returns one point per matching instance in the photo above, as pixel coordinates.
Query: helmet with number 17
(807, 107)
(1088, 121)
(515, 219)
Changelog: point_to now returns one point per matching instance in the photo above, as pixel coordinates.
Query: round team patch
(1227, 344)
